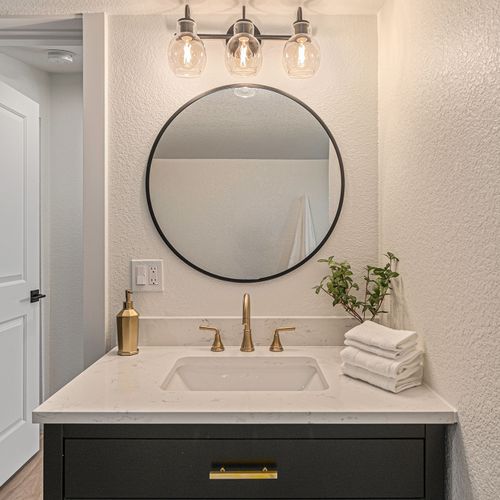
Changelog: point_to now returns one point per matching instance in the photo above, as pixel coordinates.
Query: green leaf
(340, 285)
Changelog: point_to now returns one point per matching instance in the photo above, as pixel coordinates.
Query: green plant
(340, 285)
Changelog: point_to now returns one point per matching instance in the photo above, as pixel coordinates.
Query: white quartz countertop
(122, 389)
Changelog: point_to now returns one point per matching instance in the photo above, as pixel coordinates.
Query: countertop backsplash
(183, 331)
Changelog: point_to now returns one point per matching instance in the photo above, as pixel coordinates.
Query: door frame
(95, 186)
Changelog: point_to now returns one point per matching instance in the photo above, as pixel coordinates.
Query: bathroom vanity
(188, 423)
(185, 423)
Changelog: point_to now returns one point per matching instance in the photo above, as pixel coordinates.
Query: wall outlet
(153, 275)
(147, 275)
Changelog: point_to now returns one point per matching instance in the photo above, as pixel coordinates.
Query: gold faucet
(247, 343)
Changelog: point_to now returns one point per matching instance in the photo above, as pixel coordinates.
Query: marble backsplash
(184, 331)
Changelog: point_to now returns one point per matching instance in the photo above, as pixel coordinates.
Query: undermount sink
(245, 374)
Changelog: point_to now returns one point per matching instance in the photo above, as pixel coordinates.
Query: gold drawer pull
(265, 473)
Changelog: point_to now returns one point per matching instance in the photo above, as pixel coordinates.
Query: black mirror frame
(204, 271)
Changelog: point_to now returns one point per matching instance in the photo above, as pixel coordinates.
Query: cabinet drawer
(306, 468)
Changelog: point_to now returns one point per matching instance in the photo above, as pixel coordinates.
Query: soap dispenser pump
(128, 327)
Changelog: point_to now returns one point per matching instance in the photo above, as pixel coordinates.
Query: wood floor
(26, 484)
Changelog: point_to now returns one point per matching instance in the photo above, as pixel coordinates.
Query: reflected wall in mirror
(245, 183)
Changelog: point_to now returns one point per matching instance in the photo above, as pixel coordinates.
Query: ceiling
(200, 7)
(30, 39)
(37, 57)
(268, 125)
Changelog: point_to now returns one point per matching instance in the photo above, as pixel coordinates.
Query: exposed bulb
(243, 54)
(301, 55)
(186, 52)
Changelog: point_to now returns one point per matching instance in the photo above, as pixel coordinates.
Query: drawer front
(233, 469)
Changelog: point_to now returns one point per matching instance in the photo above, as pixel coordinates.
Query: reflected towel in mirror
(304, 241)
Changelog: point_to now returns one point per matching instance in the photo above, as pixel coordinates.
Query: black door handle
(35, 295)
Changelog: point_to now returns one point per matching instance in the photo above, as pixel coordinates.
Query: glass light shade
(186, 52)
(301, 55)
(243, 53)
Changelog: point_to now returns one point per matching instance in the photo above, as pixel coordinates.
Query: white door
(19, 274)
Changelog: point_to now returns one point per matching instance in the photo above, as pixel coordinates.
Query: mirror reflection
(244, 183)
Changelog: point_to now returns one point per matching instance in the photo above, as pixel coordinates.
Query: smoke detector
(60, 56)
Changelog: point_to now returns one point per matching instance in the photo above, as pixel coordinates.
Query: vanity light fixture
(243, 53)
(186, 52)
(301, 54)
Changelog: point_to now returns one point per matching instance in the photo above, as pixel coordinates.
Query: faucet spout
(247, 343)
(246, 310)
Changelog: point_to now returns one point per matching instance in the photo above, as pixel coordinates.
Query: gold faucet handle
(217, 346)
(276, 345)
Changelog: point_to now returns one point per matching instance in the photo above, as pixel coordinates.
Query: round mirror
(245, 183)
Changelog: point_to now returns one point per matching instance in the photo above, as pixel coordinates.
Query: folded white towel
(376, 335)
(391, 354)
(383, 366)
(410, 378)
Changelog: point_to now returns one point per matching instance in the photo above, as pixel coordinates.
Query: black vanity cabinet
(235, 461)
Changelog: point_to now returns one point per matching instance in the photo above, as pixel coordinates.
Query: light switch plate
(147, 275)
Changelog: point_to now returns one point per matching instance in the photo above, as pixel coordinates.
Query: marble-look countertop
(121, 389)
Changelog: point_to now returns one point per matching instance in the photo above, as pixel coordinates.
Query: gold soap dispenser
(127, 321)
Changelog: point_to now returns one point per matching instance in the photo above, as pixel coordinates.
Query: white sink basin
(254, 373)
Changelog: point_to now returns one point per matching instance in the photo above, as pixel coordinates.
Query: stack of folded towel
(384, 357)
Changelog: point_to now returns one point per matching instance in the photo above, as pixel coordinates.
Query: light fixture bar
(225, 36)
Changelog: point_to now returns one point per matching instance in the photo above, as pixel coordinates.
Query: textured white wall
(143, 94)
(439, 155)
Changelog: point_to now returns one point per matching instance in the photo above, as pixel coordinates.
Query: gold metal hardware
(276, 345)
(247, 343)
(265, 473)
(217, 346)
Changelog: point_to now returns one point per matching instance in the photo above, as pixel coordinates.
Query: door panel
(19, 273)
(12, 226)
(12, 347)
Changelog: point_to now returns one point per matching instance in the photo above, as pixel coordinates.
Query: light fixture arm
(186, 23)
(230, 31)
(301, 25)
